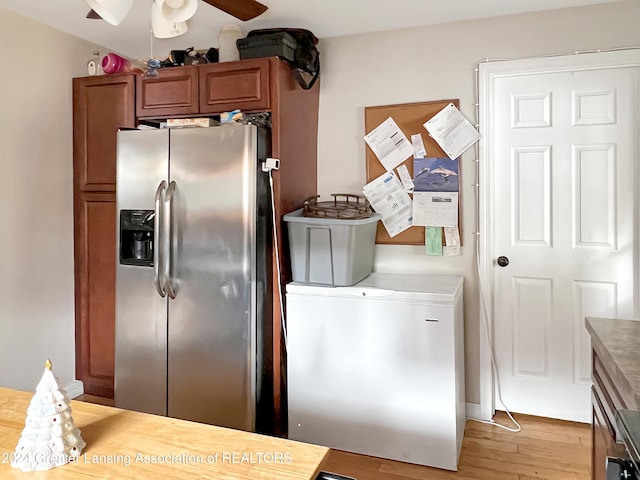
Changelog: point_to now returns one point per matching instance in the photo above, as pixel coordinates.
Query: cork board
(409, 117)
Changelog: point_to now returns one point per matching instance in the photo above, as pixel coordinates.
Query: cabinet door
(605, 400)
(101, 105)
(601, 440)
(227, 86)
(95, 254)
(173, 92)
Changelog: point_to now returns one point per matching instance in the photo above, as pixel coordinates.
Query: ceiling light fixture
(164, 28)
(113, 11)
(178, 10)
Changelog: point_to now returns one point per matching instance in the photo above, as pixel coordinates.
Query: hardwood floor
(545, 449)
(93, 399)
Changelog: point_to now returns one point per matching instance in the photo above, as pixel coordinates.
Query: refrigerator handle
(157, 237)
(169, 241)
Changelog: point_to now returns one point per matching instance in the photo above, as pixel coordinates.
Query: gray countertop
(617, 343)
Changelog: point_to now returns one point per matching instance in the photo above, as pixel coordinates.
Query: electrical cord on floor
(277, 250)
(483, 306)
(494, 365)
(494, 368)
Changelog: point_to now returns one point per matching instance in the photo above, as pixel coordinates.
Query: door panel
(532, 196)
(565, 148)
(532, 329)
(597, 299)
(101, 105)
(212, 321)
(95, 284)
(141, 313)
(594, 218)
(173, 92)
(243, 84)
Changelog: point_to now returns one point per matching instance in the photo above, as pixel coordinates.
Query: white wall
(434, 63)
(36, 200)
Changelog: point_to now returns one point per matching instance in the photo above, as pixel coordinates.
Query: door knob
(503, 261)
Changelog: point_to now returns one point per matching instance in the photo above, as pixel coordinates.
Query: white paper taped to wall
(405, 178)
(418, 146)
(390, 145)
(435, 209)
(389, 199)
(453, 132)
(452, 240)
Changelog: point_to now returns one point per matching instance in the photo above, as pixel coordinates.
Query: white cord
(275, 241)
(494, 365)
(483, 306)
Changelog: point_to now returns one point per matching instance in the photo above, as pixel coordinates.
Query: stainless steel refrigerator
(193, 276)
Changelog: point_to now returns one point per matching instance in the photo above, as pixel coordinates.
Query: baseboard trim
(473, 410)
(75, 389)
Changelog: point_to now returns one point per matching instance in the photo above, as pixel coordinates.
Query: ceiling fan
(241, 9)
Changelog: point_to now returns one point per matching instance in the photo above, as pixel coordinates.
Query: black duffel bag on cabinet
(306, 58)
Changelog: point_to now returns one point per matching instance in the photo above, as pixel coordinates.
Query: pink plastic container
(114, 63)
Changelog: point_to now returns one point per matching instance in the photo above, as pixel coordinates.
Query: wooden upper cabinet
(101, 105)
(204, 89)
(227, 86)
(173, 92)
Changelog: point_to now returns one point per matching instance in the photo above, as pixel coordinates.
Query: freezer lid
(392, 286)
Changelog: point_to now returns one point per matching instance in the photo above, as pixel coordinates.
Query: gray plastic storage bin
(331, 251)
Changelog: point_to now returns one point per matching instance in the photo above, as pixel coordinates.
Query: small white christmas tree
(50, 438)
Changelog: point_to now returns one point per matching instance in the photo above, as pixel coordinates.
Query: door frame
(487, 74)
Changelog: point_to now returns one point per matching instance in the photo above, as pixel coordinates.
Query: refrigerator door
(212, 320)
(141, 313)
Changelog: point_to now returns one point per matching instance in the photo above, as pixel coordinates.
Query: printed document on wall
(418, 146)
(405, 178)
(435, 209)
(452, 131)
(452, 238)
(388, 197)
(390, 145)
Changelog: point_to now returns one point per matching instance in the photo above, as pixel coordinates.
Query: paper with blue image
(435, 175)
(435, 198)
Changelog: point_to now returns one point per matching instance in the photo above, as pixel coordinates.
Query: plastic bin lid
(297, 216)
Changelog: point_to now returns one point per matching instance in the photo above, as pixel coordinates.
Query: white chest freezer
(378, 368)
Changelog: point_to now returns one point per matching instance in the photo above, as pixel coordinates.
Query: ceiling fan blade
(241, 9)
(93, 15)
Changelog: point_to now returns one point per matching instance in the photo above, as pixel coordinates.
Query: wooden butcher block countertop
(124, 445)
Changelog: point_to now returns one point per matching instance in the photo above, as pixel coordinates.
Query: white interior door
(564, 180)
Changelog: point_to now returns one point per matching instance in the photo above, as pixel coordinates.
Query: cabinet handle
(158, 237)
(435, 320)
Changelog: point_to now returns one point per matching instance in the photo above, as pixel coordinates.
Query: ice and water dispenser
(136, 237)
